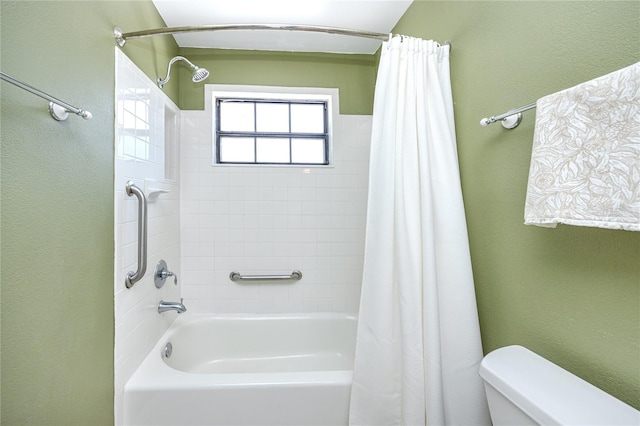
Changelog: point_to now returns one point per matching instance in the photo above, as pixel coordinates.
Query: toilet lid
(549, 394)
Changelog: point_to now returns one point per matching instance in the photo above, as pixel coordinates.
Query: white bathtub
(246, 370)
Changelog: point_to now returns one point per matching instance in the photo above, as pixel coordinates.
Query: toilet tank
(525, 389)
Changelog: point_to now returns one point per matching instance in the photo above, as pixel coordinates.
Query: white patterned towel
(585, 163)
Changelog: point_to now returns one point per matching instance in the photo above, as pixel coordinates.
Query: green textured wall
(57, 206)
(571, 293)
(354, 75)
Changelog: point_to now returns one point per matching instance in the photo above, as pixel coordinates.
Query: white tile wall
(143, 112)
(214, 220)
(273, 220)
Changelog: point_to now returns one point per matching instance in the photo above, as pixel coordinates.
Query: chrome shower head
(199, 74)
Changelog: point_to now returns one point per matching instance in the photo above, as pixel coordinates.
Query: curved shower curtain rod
(121, 37)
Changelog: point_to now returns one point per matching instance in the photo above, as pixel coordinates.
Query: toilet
(525, 389)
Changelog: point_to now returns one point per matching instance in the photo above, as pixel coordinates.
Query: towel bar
(510, 119)
(58, 109)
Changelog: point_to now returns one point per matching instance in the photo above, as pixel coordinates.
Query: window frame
(255, 134)
(269, 94)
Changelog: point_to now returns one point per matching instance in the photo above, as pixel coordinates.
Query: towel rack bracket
(512, 121)
(57, 112)
(118, 34)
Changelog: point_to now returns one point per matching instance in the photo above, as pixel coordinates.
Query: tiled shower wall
(144, 115)
(214, 220)
(273, 220)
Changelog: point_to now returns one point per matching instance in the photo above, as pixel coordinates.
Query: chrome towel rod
(237, 276)
(510, 119)
(122, 37)
(58, 109)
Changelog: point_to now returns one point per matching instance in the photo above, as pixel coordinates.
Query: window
(271, 131)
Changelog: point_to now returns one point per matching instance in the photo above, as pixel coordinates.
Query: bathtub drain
(167, 350)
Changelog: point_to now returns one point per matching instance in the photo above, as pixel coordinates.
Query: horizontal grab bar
(237, 276)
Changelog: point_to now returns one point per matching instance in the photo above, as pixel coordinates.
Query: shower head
(199, 74)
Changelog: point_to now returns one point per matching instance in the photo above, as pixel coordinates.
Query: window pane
(272, 150)
(272, 117)
(236, 116)
(307, 118)
(237, 150)
(308, 151)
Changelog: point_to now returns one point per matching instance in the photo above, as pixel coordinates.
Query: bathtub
(246, 370)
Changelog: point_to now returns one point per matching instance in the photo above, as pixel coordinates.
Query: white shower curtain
(418, 346)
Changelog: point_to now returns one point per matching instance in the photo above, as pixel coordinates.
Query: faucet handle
(162, 273)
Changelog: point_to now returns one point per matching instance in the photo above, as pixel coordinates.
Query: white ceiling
(368, 15)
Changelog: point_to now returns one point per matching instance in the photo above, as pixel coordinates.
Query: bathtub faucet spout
(171, 306)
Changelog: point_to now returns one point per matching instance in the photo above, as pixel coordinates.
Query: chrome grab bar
(237, 276)
(133, 277)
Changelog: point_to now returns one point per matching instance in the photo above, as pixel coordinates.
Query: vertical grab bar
(133, 277)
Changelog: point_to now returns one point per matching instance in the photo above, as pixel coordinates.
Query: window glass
(272, 117)
(237, 116)
(271, 131)
(237, 150)
(307, 118)
(272, 150)
(308, 151)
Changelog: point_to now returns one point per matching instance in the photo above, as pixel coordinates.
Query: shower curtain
(418, 347)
